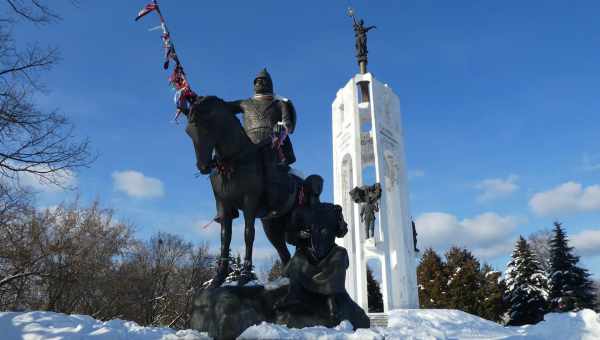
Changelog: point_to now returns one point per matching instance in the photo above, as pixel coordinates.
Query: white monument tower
(367, 136)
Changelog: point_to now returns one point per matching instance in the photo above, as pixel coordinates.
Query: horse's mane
(220, 108)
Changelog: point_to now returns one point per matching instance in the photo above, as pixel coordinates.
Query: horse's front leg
(223, 262)
(249, 216)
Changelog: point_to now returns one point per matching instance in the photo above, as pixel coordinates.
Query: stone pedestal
(225, 312)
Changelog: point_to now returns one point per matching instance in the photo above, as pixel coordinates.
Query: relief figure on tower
(368, 198)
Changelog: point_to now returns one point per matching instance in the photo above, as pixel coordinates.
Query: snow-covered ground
(403, 324)
(54, 326)
(444, 324)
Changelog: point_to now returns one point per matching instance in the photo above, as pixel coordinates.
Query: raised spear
(184, 96)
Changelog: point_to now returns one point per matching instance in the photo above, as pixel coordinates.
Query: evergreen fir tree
(492, 294)
(460, 283)
(597, 293)
(570, 286)
(432, 278)
(464, 280)
(374, 293)
(235, 269)
(526, 291)
(585, 291)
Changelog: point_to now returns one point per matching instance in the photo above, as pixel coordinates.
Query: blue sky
(499, 101)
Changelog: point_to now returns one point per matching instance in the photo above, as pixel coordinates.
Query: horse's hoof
(246, 275)
(221, 275)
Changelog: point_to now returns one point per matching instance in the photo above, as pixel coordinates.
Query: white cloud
(569, 197)
(494, 188)
(488, 233)
(136, 184)
(495, 250)
(62, 179)
(586, 242)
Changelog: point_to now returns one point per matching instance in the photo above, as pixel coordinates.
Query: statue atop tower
(360, 33)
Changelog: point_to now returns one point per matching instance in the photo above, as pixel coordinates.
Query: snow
(235, 283)
(584, 325)
(454, 324)
(438, 324)
(441, 324)
(341, 332)
(55, 326)
(491, 272)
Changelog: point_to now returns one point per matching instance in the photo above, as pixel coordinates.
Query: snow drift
(419, 324)
(55, 326)
(441, 324)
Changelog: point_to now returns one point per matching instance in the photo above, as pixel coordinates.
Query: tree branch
(10, 278)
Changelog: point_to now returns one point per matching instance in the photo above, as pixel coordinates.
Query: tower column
(367, 132)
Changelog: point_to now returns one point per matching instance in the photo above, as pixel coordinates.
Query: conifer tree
(492, 294)
(526, 292)
(464, 280)
(235, 270)
(460, 283)
(374, 293)
(597, 293)
(432, 278)
(570, 286)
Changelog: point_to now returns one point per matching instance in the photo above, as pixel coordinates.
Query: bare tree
(162, 275)
(539, 243)
(60, 260)
(32, 140)
(84, 243)
(269, 270)
(35, 11)
(75, 259)
(276, 271)
(193, 274)
(177, 273)
(20, 257)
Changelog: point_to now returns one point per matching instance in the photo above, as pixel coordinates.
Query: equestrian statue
(249, 167)
(249, 171)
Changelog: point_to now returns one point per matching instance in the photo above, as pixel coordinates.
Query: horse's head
(206, 128)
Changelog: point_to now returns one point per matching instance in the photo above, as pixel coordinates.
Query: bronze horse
(237, 176)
